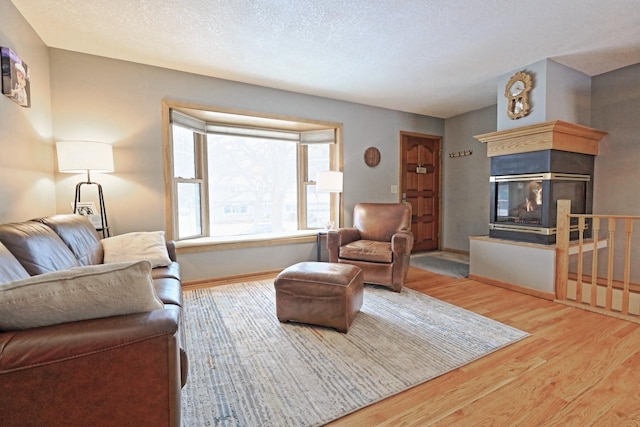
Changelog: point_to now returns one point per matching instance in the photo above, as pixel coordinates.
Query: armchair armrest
(401, 243)
(340, 237)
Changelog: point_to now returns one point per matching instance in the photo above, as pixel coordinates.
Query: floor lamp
(87, 156)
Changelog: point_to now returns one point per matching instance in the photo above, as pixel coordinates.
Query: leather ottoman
(319, 293)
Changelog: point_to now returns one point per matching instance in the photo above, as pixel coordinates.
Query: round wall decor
(372, 156)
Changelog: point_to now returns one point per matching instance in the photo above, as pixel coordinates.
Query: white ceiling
(435, 57)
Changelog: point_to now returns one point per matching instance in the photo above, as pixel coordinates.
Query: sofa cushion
(367, 250)
(10, 267)
(78, 294)
(137, 246)
(168, 290)
(170, 271)
(37, 247)
(77, 232)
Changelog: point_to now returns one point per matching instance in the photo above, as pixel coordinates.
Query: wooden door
(420, 186)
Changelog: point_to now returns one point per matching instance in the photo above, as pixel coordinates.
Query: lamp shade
(329, 182)
(83, 156)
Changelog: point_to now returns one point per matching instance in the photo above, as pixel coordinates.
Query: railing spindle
(562, 248)
(581, 223)
(612, 232)
(628, 228)
(594, 265)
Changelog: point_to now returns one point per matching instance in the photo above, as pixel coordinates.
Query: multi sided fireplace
(523, 205)
(531, 169)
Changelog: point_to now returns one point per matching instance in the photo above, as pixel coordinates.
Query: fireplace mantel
(553, 135)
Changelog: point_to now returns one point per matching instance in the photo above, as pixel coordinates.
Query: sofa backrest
(77, 232)
(380, 221)
(37, 247)
(10, 267)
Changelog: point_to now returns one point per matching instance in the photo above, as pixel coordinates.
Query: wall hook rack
(461, 153)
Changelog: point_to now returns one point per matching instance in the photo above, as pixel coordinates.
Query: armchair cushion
(77, 294)
(367, 250)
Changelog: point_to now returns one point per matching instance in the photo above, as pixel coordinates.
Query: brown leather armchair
(379, 242)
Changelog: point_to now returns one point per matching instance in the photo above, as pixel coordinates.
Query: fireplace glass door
(528, 203)
(520, 202)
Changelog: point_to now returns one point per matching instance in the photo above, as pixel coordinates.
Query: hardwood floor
(576, 369)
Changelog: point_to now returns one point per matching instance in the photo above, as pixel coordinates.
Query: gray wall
(558, 93)
(616, 110)
(568, 94)
(119, 102)
(466, 179)
(26, 158)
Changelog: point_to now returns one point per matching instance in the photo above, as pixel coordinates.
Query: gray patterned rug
(248, 369)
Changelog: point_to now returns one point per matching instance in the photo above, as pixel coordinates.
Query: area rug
(440, 265)
(248, 369)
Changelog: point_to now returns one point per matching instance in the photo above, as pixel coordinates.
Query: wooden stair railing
(611, 296)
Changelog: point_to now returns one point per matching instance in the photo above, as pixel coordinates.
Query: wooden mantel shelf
(553, 135)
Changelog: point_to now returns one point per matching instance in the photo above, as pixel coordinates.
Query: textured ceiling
(433, 57)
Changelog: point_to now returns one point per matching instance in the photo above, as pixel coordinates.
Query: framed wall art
(84, 208)
(15, 77)
(88, 209)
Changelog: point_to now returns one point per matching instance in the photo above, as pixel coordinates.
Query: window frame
(255, 120)
(200, 151)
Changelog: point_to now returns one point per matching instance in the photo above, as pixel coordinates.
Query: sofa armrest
(340, 237)
(171, 249)
(125, 369)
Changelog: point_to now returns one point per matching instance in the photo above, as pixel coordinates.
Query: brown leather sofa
(120, 370)
(379, 242)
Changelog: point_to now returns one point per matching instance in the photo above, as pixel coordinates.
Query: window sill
(206, 244)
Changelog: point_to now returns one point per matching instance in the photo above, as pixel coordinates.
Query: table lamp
(329, 182)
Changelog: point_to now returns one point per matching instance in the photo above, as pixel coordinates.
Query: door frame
(401, 171)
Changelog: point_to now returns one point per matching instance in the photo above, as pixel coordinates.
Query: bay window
(243, 180)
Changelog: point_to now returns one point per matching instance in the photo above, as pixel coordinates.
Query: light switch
(394, 189)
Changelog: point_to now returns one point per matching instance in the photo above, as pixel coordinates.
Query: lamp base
(104, 224)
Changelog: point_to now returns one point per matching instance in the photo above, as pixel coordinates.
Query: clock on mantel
(517, 93)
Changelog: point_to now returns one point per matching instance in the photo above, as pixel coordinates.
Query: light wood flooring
(576, 369)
